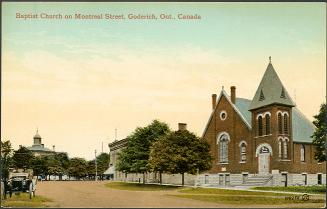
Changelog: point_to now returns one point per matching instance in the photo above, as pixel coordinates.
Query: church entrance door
(264, 157)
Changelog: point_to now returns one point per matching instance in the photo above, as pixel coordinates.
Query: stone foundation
(226, 179)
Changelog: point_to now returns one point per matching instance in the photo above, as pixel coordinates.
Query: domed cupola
(37, 138)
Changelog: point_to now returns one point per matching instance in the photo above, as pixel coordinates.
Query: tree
(6, 152)
(63, 160)
(319, 136)
(180, 152)
(102, 163)
(53, 166)
(22, 158)
(39, 166)
(134, 158)
(77, 167)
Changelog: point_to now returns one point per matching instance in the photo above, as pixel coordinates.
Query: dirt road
(95, 194)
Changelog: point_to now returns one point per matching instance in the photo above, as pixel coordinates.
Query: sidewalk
(242, 188)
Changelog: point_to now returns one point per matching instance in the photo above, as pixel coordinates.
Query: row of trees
(58, 164)
(155, 148)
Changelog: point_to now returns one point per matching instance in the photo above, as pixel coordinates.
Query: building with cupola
(263, 141)
(38, 148)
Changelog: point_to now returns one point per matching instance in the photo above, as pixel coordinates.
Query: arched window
(280, 123)
(285, 149)
(223, 148)
(260, 125)
(243, 152)
(280, 148)
(267, 124)
(302, 151)
(285, 124)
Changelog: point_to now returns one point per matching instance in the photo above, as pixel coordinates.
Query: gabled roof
(270, 91)
(302, 128)
(239, 102)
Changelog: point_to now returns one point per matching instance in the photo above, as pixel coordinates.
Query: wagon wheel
(31, 190)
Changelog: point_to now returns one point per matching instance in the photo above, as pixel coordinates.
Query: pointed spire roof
(270, 91)
(37, 135)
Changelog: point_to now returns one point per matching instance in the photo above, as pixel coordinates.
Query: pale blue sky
(233, 28)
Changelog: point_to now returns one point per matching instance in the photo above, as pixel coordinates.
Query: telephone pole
(96, 166)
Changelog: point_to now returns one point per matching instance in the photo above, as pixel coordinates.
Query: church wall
(276, 163)
(237, 131)
(310, 165)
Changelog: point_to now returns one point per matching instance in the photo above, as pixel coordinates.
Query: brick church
(265, 140)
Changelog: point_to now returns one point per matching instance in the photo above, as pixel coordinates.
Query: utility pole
(96, 166)
(102, 147)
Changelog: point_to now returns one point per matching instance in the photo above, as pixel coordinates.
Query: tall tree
(64, 163)
(22, 158)
(77, 167)
(180, 152)
(134, 158)
(6, 153)
(53, 165)
(39, 166)
(102, 163)
(319, 136)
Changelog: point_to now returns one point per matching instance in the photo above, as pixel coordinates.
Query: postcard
(163, 104)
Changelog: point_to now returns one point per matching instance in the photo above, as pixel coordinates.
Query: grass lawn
(23, 200)
(139, 186)
(247, 200)
(227, 192)
(304, 189)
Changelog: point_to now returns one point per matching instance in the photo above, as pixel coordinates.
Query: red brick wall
(238, 131)
(310, 165)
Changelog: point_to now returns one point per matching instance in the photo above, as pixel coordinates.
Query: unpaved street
(95, 194)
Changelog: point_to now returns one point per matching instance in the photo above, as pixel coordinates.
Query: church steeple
(270, 90)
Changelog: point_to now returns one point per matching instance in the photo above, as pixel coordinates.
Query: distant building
(38, 149)
(115, 148)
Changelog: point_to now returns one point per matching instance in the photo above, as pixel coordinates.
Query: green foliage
(180, 152)
(53, 165)
(22, 158)
(6, 154)
(102, 164)
(56, 164)
(134, 158)
(139, 187)
(319, 189)
(39, 166)
(319, 136)
(23, 201)
(77, 167)
(219, 191)
(248, 200)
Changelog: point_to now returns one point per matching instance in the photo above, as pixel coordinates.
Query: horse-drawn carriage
(19, 182)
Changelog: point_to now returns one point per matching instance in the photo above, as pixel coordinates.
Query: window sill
(242, 162)
(285, 160)
(223, 163)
